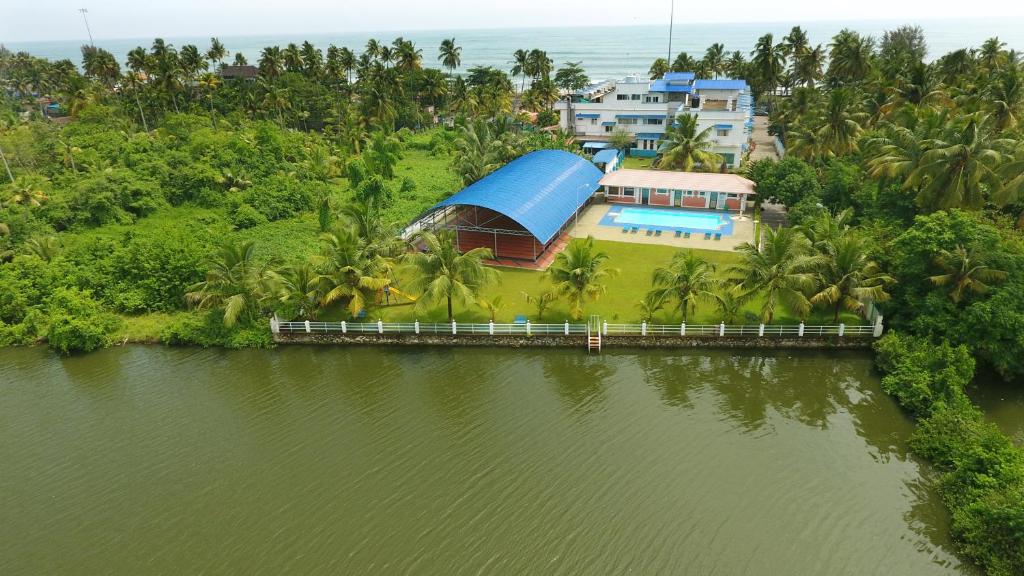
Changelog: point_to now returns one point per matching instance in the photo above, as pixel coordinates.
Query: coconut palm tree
(492, 306)
(292, 58)
(783, 272)
(850, 56)
(450, 55)
(521, 67)
(237, 282)
(768, 60)
(683, 62)
(382, 153)
(579, 272)
(45, 248)
(216, 53)
(685, 148)
(957, 169)
(658, 68)
(715, 58)
(840, 123)
(847, 277)
(475, 155)
(808, 66)
(729, 302)
(687, 279)
(965, 271)
(351, 268)
(541, 301)
(650, 305)
(299, 288)
(271, 62)
(1006, 98)
(441, 273)
(30, 190)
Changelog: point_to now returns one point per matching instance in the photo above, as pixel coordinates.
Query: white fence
(566, 329)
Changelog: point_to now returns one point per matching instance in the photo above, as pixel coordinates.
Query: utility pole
(6, 165)
(671, 22)
(85, 11)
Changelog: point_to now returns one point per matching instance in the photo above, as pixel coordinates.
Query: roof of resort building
(665, 179)
(720, 84)
(666, 86)
(540, 190)
(679, 76)
(606, 156)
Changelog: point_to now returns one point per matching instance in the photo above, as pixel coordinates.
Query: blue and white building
(645, 108)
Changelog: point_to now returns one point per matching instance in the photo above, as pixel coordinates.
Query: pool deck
(589, 225)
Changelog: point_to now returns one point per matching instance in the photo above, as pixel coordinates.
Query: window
(723, 132)
(612, 190)
(628, 192)
(627, 121)
(653, 121)
(622, 96)
(651, 99)
(635, 96)
(593, 121)
(609, 128)
(661, 192)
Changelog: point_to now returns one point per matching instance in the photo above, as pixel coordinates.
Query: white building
(644, 108)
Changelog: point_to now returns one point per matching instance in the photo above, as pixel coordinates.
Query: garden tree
(782, 272)
(374, 190)
(621, 139)
(450, 55)
(353, 270)
(571, 78)
(965, 270)
(686, 279)
(442, 273)
(658, 69)
(901, 49)
(827, 229)
(237, 282)
(382, 153)
(541, 301)
(788, 182)
(847, 277)
(685, 148)
(299, 289)
(578, 274)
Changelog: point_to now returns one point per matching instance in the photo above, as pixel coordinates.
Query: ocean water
(606, 52)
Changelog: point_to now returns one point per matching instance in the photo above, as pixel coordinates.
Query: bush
(922, 375)
(244, 216)
(208, 330)
(279, 196)
(77, 323)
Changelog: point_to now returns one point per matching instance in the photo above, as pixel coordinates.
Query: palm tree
(27, 191)
(521, 67)
(767, 60)
(851, 56)
(729, 302)
(782, 271)
(578, 273)
(450, 55)
(686, 279)
(235, 281)
(658, 69)
(492, 306)
(216, 53)
(847, 276)
(541, 301)
(683, 62)
(292, 58)
(1006, 97)
(299, 288)
(684, 147)
(808, 66)
(271, 62)
(965, 271)
(955, 171)
(46, 248)
(383, 151)
(649, 305)
(441, 273)
(352, 268)
(539, 64)
(475, 155)
(840, 128)
(715, 58)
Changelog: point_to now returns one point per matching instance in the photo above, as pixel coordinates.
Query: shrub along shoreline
(982, 482)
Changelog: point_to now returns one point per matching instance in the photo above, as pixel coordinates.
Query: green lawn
(635, 262)
(637, 163)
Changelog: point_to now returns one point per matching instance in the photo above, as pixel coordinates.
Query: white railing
(566, 329)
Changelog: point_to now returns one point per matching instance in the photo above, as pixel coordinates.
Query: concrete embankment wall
(580, 342)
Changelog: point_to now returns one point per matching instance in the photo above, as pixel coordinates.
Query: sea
(606, 52)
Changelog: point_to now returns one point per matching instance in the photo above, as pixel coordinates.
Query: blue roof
(723, 126)
(676, 76)
(720, 84)
(606, 156)
(588, 115)
(608, 123)
(664, 86)
(596, 145)
(649, 136)
(540, 190)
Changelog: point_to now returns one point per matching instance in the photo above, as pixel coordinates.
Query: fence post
(344, 327)
(566, 327)
(643, 328)
(682, 329)
(490, 327)
(528, 328)
(380, 326)
(721, 329)
(454, 330)
(842, 329)
(416, 326)
(605, 328)
(760, 330)
(800, 333)
(307, 327)
(274, 326)
(878, 326)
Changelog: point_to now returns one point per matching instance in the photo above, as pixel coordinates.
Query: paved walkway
(742, 231)
(764, 143)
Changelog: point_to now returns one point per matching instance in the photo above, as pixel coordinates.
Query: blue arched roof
(540, 190)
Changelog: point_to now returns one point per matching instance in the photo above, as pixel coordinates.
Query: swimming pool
(668, 219)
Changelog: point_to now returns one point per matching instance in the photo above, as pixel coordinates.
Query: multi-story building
(645, 108)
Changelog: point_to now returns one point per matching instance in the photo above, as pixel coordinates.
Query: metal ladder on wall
(594, 335)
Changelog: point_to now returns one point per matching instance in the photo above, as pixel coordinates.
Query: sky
(36, 20)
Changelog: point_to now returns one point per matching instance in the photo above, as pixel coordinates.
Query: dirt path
(764, 143)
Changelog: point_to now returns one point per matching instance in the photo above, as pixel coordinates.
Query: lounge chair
(625, 229)
(679, 233)
(718, 236)
(707, 235)
(650, 232)
(634, 229)
(686, 235)
(657, 232)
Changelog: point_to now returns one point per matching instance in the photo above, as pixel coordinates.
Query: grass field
(635, 264)
(637, 163)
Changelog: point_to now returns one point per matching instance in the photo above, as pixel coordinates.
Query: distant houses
(239, 72)
(645, 107)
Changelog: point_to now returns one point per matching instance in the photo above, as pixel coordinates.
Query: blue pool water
(668, 219)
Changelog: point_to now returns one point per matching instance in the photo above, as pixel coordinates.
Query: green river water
(305, 460)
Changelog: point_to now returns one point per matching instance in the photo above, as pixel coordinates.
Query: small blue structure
(519, 210)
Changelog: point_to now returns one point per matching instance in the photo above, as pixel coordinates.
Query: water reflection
(580, 380)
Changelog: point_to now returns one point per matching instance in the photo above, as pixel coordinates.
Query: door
(645, 197)
(677, 198)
